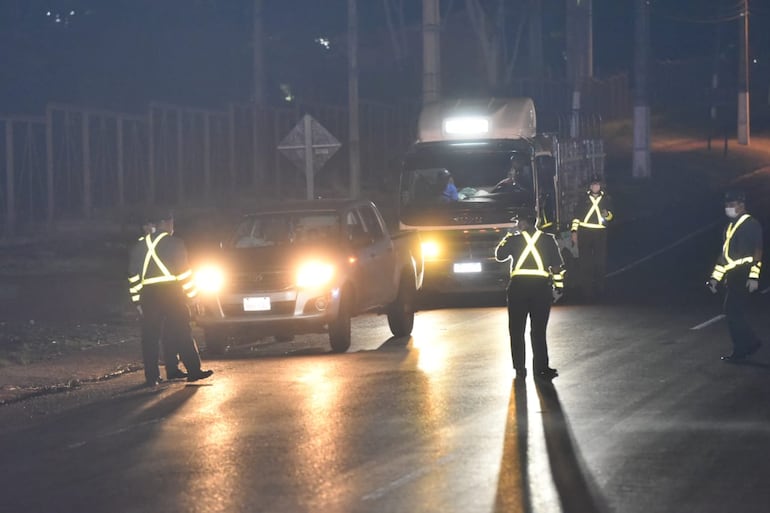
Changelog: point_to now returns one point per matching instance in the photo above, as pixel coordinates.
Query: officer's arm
(503, 251)
(756, 267)
(719, 268)
(608, 207)
(135, 261)
(556, 264)
(185, 276)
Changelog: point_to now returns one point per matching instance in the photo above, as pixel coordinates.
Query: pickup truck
(308, 267)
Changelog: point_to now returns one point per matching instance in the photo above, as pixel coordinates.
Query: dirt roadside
(83, 308)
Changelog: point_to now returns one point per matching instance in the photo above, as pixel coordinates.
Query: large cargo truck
(475, 165)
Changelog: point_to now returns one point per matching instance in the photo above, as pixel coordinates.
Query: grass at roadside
(25, 342)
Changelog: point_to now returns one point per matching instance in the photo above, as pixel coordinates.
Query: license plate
(256, 304)
(467, 267)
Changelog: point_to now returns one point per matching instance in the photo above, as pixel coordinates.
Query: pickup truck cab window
(355, 228)
(372, 223)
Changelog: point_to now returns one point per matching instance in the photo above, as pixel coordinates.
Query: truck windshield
(282, 228)
(452, 174)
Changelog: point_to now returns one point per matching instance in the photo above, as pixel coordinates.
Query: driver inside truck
(446, 186)
(514, 182)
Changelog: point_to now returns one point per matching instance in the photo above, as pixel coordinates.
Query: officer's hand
(139, 310)
(752, 285)
(712, 285)
(557, 294)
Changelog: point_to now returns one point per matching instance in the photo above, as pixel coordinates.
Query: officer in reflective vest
(536, 280)
(589, 234)
(738, 268)
(161, 284)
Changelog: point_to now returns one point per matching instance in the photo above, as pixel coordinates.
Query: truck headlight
(209, 279)
(314, 274)
(430, 249)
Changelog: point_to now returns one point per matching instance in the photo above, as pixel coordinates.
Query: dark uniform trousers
(592, 260)
(735, 306)
(165, 315)
(529, 296)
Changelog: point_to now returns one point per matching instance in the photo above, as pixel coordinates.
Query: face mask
(730, 212)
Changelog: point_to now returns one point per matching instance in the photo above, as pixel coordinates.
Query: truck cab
(490, 153)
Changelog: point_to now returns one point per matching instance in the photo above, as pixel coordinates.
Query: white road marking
(709, 322)
(765, 291)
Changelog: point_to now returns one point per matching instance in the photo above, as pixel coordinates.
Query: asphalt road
(643, 417)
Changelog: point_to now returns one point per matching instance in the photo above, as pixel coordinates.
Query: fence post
(120, 163)
(180, 192)
(206, 156)
(150, 158)
(10, 206)
(86, 146)
(231, 147)
(49, 165)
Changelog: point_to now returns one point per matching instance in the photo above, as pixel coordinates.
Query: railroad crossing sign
(309, 145)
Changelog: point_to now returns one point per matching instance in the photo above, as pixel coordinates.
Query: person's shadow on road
(576, 491)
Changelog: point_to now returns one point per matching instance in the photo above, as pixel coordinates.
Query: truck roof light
(468, 125)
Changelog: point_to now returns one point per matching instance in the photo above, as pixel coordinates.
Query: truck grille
(261, 281)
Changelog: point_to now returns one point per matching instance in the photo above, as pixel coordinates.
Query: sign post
(309, 146)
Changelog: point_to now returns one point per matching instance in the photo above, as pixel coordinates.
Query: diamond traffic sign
(309, 133)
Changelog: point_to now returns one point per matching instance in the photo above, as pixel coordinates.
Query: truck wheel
(215, 341)
(339, 328)
(401, 311)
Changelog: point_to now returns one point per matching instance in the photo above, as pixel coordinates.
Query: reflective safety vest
(138, 281)
(729, 263)
(593, 218)
(519, 269)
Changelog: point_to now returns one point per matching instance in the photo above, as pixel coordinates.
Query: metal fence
(74, 163)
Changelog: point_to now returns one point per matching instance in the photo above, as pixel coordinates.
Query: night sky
(122, 54)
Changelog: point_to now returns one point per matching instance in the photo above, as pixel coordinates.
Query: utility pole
(641, 158)
(258, 90)
(353, 135)
(580, 65)
(536, 39)
(744, 128)
(258, 54)
(431, 51)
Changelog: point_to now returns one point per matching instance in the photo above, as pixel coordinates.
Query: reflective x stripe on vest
(720, 270)
(518, 269)
(593, 210)
(152, 255)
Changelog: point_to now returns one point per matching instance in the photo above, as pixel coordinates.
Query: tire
(339, 328)
(401, 311)
(216, 341)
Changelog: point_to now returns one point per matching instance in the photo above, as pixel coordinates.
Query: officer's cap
(735, 195)
(595, 179)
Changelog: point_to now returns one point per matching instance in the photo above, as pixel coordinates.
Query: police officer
(738, 267)
(171, 360)
(536, 280)
(589, 234)
(161, 284)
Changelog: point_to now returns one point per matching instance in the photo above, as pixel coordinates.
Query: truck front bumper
(444, 276)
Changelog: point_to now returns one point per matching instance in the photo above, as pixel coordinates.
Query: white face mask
(731, 212)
